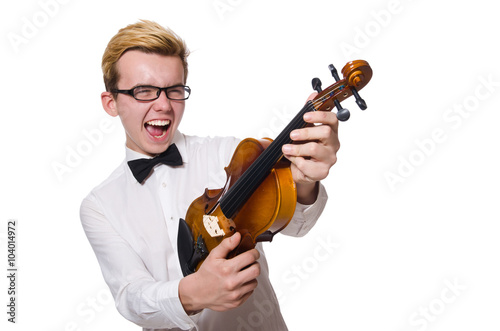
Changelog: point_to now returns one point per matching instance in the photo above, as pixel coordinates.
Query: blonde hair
(145, 36)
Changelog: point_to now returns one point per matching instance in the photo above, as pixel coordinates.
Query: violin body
(259, 197)
(268, 210)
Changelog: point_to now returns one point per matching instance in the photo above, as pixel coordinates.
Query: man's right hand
(221, 284)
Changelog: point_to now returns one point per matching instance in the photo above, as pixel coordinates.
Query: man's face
(149, 125)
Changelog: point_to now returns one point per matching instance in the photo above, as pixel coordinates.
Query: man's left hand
(313, 152)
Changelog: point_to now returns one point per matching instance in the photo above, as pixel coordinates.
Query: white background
(417, 252)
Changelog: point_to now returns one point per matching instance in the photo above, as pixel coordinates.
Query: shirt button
(164, 185)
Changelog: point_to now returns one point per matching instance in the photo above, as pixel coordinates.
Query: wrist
(189, 294)
(307, 193)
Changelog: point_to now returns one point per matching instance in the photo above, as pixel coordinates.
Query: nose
(162, 103)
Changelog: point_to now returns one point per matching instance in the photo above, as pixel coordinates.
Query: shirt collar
(178, 140)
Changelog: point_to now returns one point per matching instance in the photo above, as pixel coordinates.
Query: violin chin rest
(190, 252)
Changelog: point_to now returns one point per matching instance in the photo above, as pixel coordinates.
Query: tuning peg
(342, 113)
(334, 72)
(316, 84)
(359, 101)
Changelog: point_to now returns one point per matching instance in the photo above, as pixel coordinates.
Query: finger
(234, 302)
(249, 274)
(226, 246)
(246, 292)
(245, 259)
(244, 281)
(311, 150)
(249, 287)
(322, 117)
(309, 170)
(322, 133)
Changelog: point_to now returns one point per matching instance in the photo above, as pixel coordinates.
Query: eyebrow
(144, 84)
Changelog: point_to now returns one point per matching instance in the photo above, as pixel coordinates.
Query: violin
(259, 197)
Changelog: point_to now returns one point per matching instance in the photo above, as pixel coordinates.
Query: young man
(132, 222)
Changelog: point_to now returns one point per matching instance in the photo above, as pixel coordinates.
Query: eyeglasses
(150, 93)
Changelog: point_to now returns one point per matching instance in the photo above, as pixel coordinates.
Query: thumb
(226, 246)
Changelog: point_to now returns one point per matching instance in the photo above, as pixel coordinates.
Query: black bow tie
(141, 168)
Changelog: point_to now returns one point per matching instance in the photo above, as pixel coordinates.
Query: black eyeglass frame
(160, 89)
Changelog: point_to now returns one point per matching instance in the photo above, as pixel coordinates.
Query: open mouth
(157, 128)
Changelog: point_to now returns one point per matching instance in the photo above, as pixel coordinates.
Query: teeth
(159, 122)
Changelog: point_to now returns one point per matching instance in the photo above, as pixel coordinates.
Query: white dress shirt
(133, 231)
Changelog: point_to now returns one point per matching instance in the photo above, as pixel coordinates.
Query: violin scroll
(356, 75)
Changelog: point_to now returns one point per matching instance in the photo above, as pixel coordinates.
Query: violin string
(255, 172)
(261, 166)
(318, 102)
(248, 182)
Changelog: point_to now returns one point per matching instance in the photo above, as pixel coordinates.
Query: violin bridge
(213, 226)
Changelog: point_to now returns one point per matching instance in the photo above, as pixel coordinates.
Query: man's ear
(109, 103)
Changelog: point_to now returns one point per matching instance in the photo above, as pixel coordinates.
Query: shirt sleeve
(306, 216)
(138, 296)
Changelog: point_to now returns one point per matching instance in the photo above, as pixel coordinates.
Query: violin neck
(244, 187)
